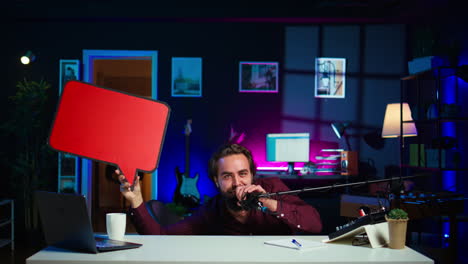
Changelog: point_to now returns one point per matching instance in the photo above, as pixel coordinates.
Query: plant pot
(397, 232)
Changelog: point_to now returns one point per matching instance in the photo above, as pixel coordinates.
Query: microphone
(251, 201)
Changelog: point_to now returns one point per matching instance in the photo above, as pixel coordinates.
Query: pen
(294, 241)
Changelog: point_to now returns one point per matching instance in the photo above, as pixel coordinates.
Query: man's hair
(228, 150)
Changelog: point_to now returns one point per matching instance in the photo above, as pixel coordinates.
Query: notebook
(66, 224)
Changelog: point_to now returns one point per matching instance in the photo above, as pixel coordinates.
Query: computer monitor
(288, 147)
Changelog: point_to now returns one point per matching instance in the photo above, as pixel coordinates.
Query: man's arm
(139, 215)
(197, 224)
(293, 211)
(134, 195)
(145, 224)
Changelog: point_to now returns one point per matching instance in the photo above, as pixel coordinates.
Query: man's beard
(231, 200)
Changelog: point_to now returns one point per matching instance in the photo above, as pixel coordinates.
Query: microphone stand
(334, 186)
(252, 201)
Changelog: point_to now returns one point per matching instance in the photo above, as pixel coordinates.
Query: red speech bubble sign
(110, 126)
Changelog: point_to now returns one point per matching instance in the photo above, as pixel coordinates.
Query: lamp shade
(392, 122)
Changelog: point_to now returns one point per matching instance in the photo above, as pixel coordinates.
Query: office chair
(161, 213)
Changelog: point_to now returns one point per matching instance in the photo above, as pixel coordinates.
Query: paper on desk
(287, 243)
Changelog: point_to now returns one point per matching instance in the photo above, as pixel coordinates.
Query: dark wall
(221, 46)
(375, 60)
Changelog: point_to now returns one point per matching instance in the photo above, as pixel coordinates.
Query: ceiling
(311, 11)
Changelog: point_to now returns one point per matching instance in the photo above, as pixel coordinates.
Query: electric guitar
(187, 193)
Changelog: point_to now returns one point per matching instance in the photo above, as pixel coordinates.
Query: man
(232, 169)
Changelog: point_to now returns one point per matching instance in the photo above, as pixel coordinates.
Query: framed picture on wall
(330, 77)
(186, 77)
(69, 70)
(258, 77)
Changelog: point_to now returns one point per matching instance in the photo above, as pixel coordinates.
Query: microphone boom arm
(334, 186)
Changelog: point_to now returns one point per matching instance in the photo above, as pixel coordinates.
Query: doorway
(135, 73)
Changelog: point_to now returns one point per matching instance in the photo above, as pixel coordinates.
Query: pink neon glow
(272, 168)
(259, 150)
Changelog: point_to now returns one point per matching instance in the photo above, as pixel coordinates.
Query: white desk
(229, 249)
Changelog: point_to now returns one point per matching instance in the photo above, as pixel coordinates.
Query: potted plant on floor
(397, 225)
(31, 161)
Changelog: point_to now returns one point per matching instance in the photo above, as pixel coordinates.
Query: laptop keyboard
(105, 244)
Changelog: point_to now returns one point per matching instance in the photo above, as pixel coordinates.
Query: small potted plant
(397, 224)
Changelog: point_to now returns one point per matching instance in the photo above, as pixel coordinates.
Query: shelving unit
(443, 159)
(6, 221)
(421, 91)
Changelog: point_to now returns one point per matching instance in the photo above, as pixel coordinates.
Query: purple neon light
(448, 96)
(259, 151)
(279, 168)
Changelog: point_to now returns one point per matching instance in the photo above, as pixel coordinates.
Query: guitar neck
(187, 155)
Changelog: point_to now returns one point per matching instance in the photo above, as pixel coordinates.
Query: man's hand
(133, 196)
(242, 191)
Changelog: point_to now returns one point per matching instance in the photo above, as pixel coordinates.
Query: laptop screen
(65, 221)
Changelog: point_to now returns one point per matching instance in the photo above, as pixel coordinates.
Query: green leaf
(397, 213)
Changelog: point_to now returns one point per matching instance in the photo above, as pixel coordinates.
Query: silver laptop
(66, 224)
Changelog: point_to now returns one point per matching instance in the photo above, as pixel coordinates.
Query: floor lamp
(395, 115)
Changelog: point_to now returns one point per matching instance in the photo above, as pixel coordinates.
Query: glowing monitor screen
(288, 147)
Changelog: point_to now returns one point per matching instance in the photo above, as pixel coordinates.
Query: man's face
(233, 171)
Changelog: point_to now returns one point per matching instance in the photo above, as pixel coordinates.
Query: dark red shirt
(292, 216)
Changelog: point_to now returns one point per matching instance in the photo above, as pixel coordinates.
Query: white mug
(115, 223)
